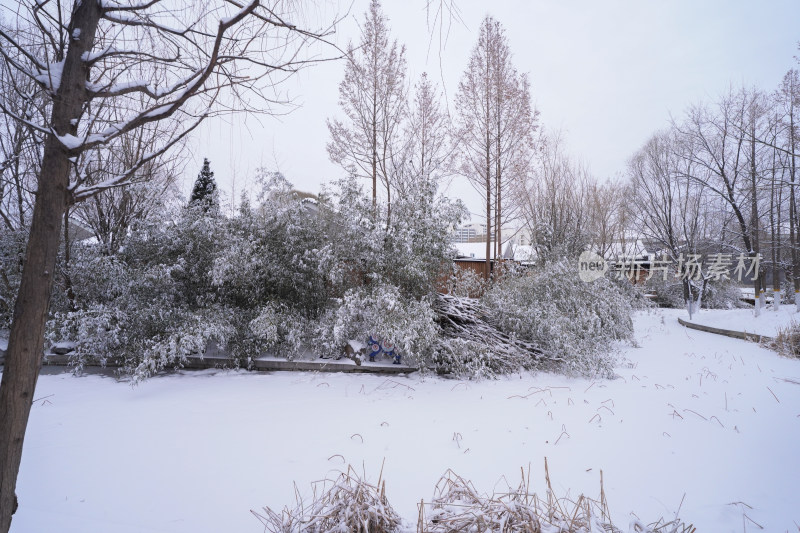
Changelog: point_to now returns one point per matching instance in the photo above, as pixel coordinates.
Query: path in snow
(768, 323)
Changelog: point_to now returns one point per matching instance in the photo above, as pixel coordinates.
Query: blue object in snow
(374, 348)
(388, 349)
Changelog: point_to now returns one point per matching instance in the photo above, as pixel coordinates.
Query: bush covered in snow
(719, 294)
(348, 504)
(12, 255)
(290, 273)
(787, 341)
(282, 275)
(723, 294)
(149, 306)
(380, 310)
(574, 321)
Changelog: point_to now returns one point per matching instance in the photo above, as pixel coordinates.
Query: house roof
(472, 250)
(520, 252)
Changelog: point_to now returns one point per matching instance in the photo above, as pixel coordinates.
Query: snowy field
(768, 323)
(709, 420)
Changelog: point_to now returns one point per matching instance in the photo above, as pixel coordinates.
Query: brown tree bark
(26, 338)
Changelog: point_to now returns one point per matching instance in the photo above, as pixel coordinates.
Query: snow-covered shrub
(286, 273)
(634, 294)
(458, 507)
(464, 358)
(719, 294)
(281, 330)
(276, 251)
(407, 248)
(787, 342)
(787, 292)
(723, 294)
(141, 336)
(380, 310)
(151, 305)
(569, 319)
(12, 255)
(668, 293)
(472, 345)
(466, 283)
(348, 504)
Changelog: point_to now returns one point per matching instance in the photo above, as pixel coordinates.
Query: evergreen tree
(205, 188)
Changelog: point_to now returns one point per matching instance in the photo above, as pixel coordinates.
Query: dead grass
(347, 504)
(350, 504)
(787, 341)
(457, 507)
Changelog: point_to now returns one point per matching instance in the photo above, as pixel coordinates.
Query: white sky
(607, 73)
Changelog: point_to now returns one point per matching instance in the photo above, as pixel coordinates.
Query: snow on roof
(522, 253)
(472, 250)
(627, 248)
(477, 251)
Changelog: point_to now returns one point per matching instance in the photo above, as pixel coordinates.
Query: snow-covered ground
(768, 323)
(707, 420)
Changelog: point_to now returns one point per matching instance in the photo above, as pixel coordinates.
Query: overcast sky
(608, 73)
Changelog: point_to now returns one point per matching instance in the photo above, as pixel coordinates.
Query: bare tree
(372, 96)
(495, 124)
(607, 213)
(788, 102)
(427, 151)
(725, 162)
(109, 68)
(553, 201)
(20, 146)
(668, 207)
(111, 213)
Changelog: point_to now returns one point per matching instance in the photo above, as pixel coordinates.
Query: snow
(51, 77)
(471, 250)
(523, 253)
(227, 20)
(706, 419)
(768, 323)
(626, 249)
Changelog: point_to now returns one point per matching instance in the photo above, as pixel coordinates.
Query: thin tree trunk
(488, 215)
(488, 176)
(775, 223)
(792, 216)
(758, 282)
(26, 338)
(67, 257)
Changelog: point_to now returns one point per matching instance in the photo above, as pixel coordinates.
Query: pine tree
(205, 188)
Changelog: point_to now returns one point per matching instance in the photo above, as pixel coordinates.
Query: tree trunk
(792, 216)
(68, 289)
(758, 282)
(488, 224)
(26, 338)
(687, 297)
(775, 226)
(488, 181)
